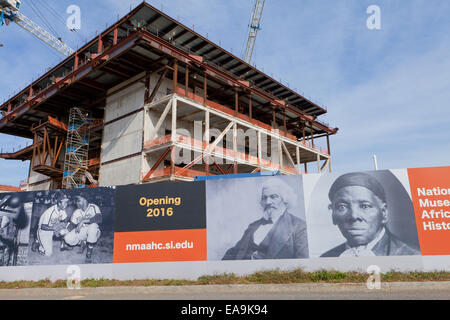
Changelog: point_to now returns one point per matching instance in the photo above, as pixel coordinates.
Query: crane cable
(55, 13)
(39, 14)
(42, 18)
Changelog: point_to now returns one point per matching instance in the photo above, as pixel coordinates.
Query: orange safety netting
(57, 123)
(93, 162)
(158, 141)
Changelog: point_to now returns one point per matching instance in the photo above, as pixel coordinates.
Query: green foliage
(262, 277)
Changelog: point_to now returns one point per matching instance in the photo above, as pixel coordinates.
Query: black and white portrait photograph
(15, 216)
(360, 214)
(256, 218)
(72, 226)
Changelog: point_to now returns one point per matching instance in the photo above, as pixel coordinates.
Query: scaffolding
(77, 148)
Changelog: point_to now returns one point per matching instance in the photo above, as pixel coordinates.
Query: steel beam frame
(170, 103)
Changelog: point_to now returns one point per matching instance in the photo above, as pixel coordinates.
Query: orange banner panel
(430, 189)
(159, 246)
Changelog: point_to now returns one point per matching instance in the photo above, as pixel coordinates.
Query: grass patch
(262, 277)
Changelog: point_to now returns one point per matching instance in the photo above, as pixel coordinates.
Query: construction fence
(398, 219)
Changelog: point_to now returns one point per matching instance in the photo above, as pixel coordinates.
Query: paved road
(408, 290)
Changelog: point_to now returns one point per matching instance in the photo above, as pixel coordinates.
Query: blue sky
(386, 90)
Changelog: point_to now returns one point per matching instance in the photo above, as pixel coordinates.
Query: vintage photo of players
(15, 216)
(72, 226)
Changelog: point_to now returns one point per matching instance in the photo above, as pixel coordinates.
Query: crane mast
(9, 11)
(254, 28)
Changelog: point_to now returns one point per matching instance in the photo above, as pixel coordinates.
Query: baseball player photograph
(15, 213)
(84, 230)
(73, 226)
(52, 223)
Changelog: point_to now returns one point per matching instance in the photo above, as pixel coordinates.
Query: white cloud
(401, 113)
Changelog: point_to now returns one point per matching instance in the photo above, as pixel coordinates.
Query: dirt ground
(102, 253)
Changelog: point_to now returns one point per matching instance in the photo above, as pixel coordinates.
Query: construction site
(150, 100)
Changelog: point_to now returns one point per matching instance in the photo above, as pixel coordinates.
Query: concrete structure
(166, 104)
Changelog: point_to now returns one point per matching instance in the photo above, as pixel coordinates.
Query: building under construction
(151, 100)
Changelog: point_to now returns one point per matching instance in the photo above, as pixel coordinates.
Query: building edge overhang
(126, 19)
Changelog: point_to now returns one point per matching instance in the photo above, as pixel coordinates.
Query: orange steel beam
(46, 144)
(193, 162)
(328, 144)
(157, 163)
(17, 155)
(172, 161)
(175, 76)
(210, 70)
(56, 151)
(38, 148)
(35, 146)
(156, 88)
(219, 167)
(117, 72)
(223, 51)
(115, 36)
(236, 102)
(114, 29)
(167, 48)
(205, 88)
(100, 44)
(178, 54)
(250, 107)
(72, 77)
(147, 88)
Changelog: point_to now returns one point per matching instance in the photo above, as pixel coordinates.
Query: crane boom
(40, 33)
(254, 28)
(11, 12)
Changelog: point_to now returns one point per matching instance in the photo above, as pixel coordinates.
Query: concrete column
(236, 101)
(328, 144)
(186, 81)
(207, 138)
(235, 148)
(205, 89)
(174, 120)
(174, 137)
(280, 154)
(250, 106)
(318, 163)
(175, 77)
(259, 150)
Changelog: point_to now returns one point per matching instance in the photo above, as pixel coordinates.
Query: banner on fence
(404, 212)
